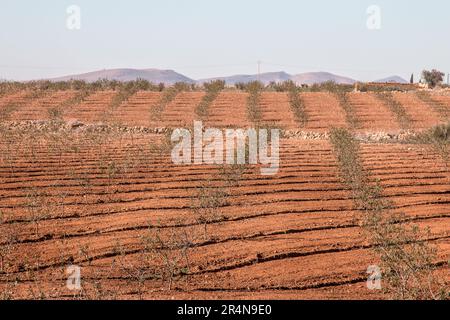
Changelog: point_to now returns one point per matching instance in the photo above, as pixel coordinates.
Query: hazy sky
(204, 38)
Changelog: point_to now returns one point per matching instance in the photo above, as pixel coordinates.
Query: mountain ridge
(392, 79)
(169, 77)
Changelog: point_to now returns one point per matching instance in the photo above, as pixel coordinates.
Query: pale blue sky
(204, 38)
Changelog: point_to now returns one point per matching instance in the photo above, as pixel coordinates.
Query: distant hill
(320, 77)
(392, 79)
(152, 75)
(265, 78)
(170, 77)
(303, 78)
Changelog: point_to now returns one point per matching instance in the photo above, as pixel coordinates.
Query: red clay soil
(323, 112)
(444, 104)
(39, 109)
(14, 97)
(422, 115)
(93, 109)
(276, 111)
(372, 114)
(102, 201)
(136, 111)
(288, 236)
(414, 177)
(10, 103)
(184, 104)
(229, 110)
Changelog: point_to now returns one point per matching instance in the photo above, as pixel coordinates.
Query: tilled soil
(115, 205)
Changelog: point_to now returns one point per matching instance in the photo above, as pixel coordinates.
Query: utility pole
(448, 78)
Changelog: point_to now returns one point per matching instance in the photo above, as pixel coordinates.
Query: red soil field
(228, 110)
(183, 104)
(444, 104)
(372, 114)
(39, 109)
(10, 103)
(136, 111)
(323, 111)
(422, 115)
(276, 110)
(100, 200)
(16, 98)
(92, 109)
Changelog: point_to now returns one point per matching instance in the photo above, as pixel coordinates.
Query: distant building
(423, 84)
